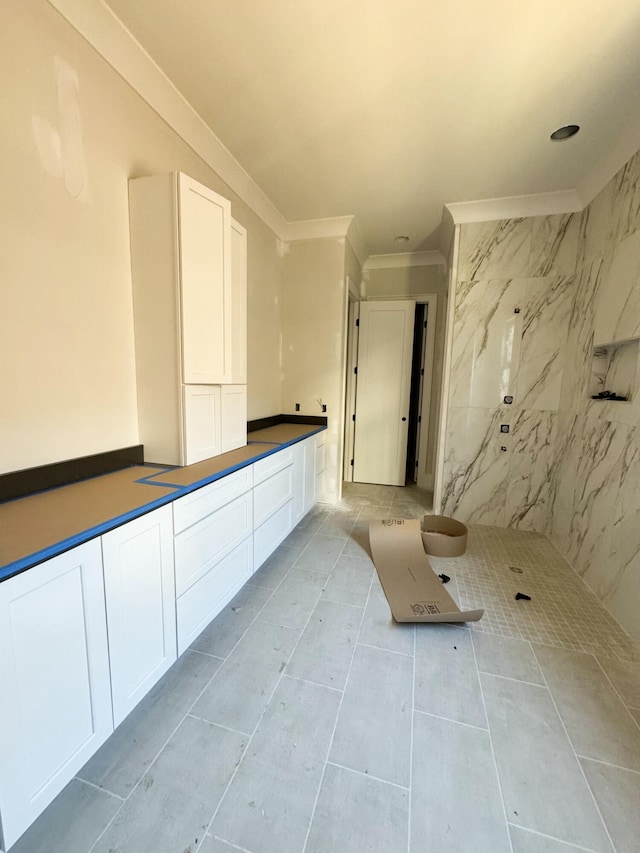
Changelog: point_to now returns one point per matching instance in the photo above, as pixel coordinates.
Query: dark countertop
(38, 527)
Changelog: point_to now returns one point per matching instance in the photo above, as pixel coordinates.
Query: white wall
(73, 133)
(313, 331)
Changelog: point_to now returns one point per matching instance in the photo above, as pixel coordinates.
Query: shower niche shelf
(614, 369)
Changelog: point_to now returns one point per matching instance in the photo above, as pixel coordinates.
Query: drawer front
(266, 468)
(208, 596)
(269, 496)
(204, 544)
(194, 507)
(270, 534)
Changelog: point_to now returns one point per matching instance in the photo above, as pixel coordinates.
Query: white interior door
(383, 390)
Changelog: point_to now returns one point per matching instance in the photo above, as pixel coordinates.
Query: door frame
(425, 478)
(353, 316)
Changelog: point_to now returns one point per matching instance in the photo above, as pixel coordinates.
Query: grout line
(205, 654)
(228, 843)
(285, 674)
(217, 725)
(608, 764)
(367, 775)
(413, 717)
(450, 720)
(98, 788)
(342, 603)
(493, 749)
(383, 649)
(273, 692)
(616, 692)
(511, 678)
(573, 749)
(335, 724)
(553, 838)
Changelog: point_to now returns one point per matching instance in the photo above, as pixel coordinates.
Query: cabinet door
(55, 706)
(299, 483)
(239, 303)
(202, 433)
(141, 615)
(310, 473)
(205, 283)
(233, 403)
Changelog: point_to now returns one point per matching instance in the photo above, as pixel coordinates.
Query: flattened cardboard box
(414, 592)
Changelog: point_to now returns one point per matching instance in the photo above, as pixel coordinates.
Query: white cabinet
(140, 597)
(55, 706)
(233, 402)
(213, 550)
(304, 477)
(189, 314)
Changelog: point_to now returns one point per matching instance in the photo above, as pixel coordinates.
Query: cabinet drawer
(207, 542)
(265, 468)
(271, 495)
(206, 598)
(270, 534)
(196, 506)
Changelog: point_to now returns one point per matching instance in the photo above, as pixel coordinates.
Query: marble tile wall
(512, 309)
(532, 299)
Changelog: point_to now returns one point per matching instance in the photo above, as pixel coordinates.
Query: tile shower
(547, 312)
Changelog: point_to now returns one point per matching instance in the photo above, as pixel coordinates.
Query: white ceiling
(388, 110)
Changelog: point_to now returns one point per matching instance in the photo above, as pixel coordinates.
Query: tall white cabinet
(188, 262)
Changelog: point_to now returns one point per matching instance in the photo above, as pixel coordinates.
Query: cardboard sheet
(283, 433)
(414, 592)
(210, 467)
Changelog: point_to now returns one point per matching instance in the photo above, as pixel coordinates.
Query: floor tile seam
(575, 753)
(343, 603)
(368, 775)
(510, 677)
(205, 654)
(411, 742)
(253, 734)
(217, 725)
(616, 691)
(139, 782)
(450, 720)
(383, 649)
(286, 674)
(224, 841)
(553, 838)
(325, 575)
(608, 763)
(93, 785)
(335, 724)
(492, 747)
(241, 637)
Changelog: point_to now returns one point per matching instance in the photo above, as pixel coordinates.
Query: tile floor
(304, 719)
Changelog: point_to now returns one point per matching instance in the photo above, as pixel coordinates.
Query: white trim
(403, 297)
(404, 260)
(515, 207)
(424, 478)
(446, 377)
(357, 242)
(97, 23)
(317, 229)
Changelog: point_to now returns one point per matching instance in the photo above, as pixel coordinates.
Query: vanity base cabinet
(139, 585)
(55, 709)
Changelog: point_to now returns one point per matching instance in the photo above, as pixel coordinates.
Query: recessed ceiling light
(401, 238)
(565, 132)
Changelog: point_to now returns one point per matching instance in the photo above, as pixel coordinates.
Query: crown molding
(99, 26)
(317, 229)
(515, 207)
(357, 242)
(404, 260)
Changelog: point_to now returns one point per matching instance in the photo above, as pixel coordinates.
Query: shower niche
(613, 371)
